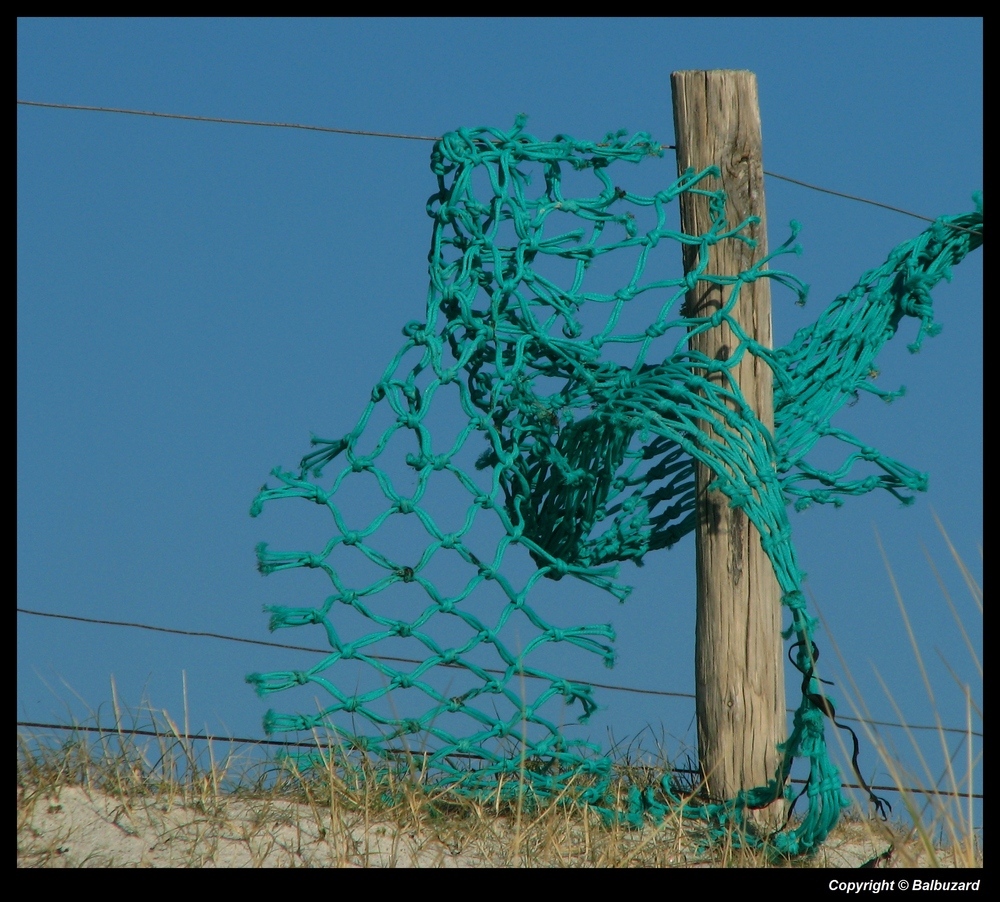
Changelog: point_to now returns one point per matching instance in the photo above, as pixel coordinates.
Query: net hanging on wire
(541, 424)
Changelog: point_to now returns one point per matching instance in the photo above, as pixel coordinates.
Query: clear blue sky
(194, 299)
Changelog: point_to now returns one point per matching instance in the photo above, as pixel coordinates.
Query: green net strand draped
(577, 410)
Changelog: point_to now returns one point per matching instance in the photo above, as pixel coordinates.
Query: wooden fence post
(739, 664)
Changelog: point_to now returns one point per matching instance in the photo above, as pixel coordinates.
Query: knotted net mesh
(540, 425)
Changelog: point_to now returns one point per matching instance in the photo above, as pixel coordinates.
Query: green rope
(574, 458)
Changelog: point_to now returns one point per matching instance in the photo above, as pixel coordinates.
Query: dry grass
(121, 799)
(118, 800)
(941, 827)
